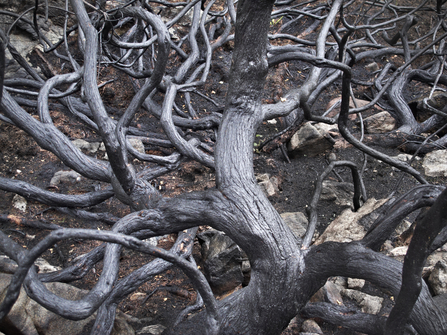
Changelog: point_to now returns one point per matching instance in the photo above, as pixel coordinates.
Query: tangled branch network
(170, 54)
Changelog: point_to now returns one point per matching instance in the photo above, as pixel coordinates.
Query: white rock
(269, 185)
(45, 267)
(28, 317)
(152, 329)
(368, 303)
(403, 227)
(399, 251)
(19, 202)
(310, 326)
(341, 193)
(372, 67)
(438, 278)
(355, 283)
(326, 128)
(91, 147)
(297, 222)
(309, 140)
(435, 163)
(137, 144)
(407, 157)
(65, 177)
(381, 122)
(345, 228)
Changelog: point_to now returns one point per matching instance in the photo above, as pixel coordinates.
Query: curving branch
(424, 235)
(359, 195)
(167, 50)
(356, 261)
(395, 210)
(32, 192)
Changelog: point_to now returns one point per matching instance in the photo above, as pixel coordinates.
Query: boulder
(358, 103)
(438, 278)
(7, 265)
(355, 283)
(331, 293)
(346, 227)
(134, 142)
(268, 184)
(310, 326)
(27, 317)
(222, 261)
(65, 177)
(297, 222)
(368, 303)
(90, 147)
(372, 67)
(435, 163)
(341, 193)
(19, 203)
(152, 330)
(381, 122)
(309, 140)
(406, 157)
(137, 144)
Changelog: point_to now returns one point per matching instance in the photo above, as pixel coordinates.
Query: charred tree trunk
(267, 304)
(285, 271)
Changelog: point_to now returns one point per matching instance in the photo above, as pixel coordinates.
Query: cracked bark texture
(285, 271)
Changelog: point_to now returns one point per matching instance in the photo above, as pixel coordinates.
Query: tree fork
(265, 306)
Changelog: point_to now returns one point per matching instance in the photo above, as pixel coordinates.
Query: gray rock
(19, 203)
(222, 261)
(297, 222)
(294, 325)
(27, 317)
(268, 184)
(310, 326)
(403, 227)
(340, 282)
(398, 251)
(91, 147)
(341, 193)
(309, 140)
(368, 303)
(381, 122)
(137, 145)
(436, 257)
(438, 100)
(406, 157)
(346, 227)
(438, 278)
(65, 177)
(372, 67)
(331, 293)
(152, 329)
(435, 163)
(45, 267)
(355, 283)
(7, 265)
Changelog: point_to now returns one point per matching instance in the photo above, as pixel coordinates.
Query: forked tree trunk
(268, 303)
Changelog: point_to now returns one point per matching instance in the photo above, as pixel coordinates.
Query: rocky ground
(291, 183)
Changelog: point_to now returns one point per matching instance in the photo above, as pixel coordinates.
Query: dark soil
(22, 159)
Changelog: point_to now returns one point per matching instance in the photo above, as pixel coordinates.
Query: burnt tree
(285, 271)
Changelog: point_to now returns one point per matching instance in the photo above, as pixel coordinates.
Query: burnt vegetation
(165, 51)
